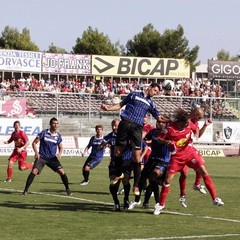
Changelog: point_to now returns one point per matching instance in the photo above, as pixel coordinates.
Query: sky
(213, 25)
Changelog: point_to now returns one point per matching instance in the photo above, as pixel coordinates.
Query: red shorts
(20, 157)
(190, 157)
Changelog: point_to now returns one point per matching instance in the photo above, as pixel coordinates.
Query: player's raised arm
(111, 107)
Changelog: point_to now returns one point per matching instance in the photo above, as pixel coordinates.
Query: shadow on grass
(69, 206)
(62, 191)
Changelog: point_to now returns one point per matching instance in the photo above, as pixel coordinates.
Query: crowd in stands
(183, 87)
(199, 90)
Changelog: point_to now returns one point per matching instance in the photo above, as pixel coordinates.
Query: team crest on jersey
(182, 142)
(193, 161)
(165, 130)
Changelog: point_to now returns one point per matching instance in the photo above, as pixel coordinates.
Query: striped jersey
(128, 152)
(137, 106)
(159, 151)
(48, 143)
(97, 150)
(111, 140)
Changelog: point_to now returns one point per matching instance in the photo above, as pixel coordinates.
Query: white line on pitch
(106, 203)
(56, 195)
(187, 237)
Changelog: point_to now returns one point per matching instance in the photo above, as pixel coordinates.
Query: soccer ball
(168, 85)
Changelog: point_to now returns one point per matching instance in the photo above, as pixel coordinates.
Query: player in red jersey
(195, 115)
(179, 138)
(19, 153)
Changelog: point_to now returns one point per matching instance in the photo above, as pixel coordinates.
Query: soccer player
(195, 115)
(110, 140)
(126, 169)
(19, 153)
(155, 168)
(96, 155)
(137, 105)
(50, 141)
(178, 136)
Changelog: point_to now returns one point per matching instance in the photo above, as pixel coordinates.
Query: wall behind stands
(75, 145)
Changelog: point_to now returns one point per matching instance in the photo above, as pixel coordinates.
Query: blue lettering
(25, 62)
(27, 130)
(38, 63)
(36, 131)
(9, 130)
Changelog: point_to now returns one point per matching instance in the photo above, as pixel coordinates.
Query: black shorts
(129, 131)
(152, 164)
(52, 163)
(114, 170)
(126, 168)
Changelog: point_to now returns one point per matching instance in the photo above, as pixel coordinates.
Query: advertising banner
(231, 132)
(68, 142)
(21, 61)
(30, 126)
(223, 69)
(66, 63)
(140, 67)
(13, 107)
(207, 136)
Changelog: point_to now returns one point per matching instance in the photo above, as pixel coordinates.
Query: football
(168, 85)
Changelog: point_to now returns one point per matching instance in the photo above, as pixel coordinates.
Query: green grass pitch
(47, 213)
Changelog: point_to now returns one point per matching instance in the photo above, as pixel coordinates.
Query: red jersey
(194, 126)
(181, 138)
(147, 128)
(19, 138)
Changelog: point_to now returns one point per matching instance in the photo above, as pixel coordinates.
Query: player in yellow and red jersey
(19, 153)
(179, 139)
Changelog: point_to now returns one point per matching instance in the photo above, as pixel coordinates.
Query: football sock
(148, 193)
(126, 191)
(28, 166)
(164, 193)
(182, 185)
(9, 172)
(65, 181)
(210, 186)
(137, 173)
(198, 179)
(29, 181)
(155, 189)
(144, 186)
(86, 175)
(113, 190)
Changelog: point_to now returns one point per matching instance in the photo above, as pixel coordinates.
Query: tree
(11, 38)
(145, 44)
(93, 42)
(224, 55)
(171, 44)
(54, 49)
